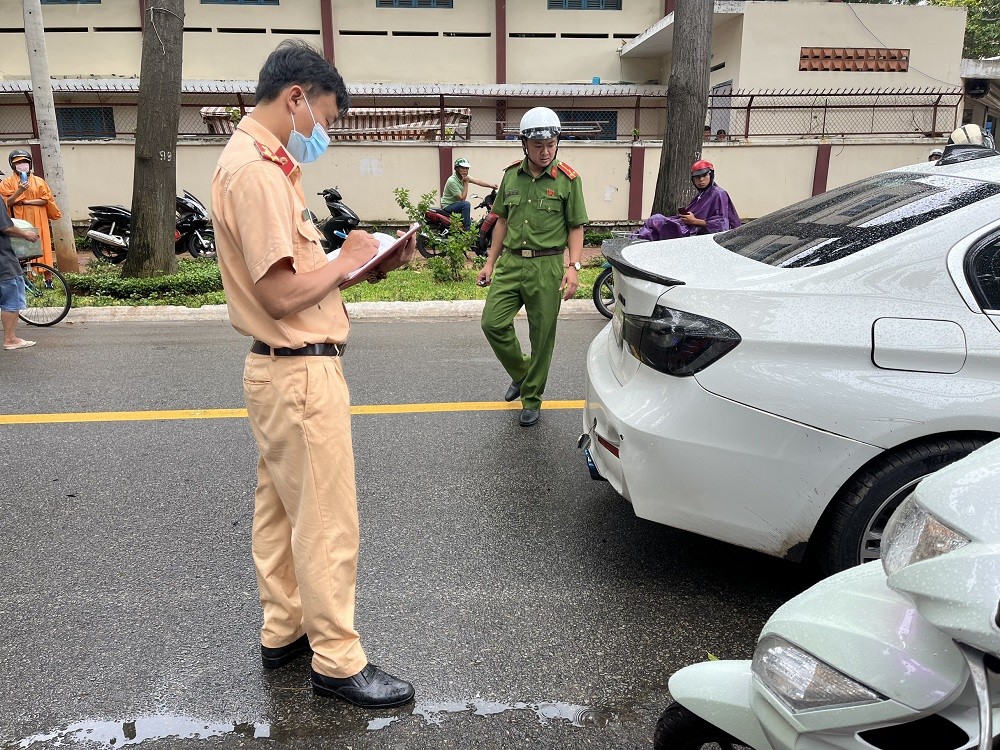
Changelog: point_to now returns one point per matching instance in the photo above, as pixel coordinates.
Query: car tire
(859, 512)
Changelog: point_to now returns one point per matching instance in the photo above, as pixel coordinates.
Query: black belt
(309, 350)
(526, 253)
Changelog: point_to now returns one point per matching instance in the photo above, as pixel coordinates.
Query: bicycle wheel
(47, 293)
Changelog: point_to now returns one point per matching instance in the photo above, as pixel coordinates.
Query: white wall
(231, 41)
(759, 177)
(774, 33)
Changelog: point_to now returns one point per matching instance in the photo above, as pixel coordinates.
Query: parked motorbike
(604, 286)
(897, 655)
(604, 291)
(193, 230)
(437, 225)
(338, 224)
(110, 230)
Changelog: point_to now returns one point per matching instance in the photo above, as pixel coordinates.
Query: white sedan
(783, 386)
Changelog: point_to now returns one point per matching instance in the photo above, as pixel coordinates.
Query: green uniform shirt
(452, 191)
(541, 210)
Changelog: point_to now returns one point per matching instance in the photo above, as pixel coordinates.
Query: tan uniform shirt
(259, 214)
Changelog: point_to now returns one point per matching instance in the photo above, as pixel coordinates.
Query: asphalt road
(525, 601)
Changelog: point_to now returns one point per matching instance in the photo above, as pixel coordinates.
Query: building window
(85, 122)
(585, 4)
(857, 60)
(239, 2)
(414, 3)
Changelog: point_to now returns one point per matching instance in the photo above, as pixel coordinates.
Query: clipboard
(388, 246)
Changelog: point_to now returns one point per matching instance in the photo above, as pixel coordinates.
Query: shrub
(450, 263)
(196, 280)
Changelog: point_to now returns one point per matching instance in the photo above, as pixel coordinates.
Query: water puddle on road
(119, 734)
(114, 734)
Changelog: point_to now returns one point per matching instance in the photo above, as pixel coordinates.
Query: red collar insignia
(279, 157)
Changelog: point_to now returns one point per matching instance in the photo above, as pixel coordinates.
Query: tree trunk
(687, 103)
(154, 183)
(48, 134)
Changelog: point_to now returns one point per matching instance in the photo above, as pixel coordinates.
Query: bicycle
(47, 293)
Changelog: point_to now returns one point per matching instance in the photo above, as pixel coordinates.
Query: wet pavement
(525, 601)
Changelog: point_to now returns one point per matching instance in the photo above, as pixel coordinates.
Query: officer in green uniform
(541, 210)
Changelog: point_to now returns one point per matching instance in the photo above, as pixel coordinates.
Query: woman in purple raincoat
(711, 211)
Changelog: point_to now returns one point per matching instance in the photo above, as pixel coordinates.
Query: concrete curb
(573, 308)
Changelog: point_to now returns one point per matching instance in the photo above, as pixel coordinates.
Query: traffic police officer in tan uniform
(282, 292)
(541, 210)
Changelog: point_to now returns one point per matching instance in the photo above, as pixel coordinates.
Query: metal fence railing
(740, 115)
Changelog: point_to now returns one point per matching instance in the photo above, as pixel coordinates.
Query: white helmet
(971, 135)
(539, 124)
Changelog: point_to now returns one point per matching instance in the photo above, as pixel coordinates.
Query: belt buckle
(528, 253)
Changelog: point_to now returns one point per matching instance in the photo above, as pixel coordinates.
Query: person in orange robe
(30, 199)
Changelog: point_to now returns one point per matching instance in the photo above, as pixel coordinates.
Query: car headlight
(804, 683)
(913, 534)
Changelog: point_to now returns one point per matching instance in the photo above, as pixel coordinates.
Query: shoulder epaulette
(516, 163)
(567, 170)
(279, 157)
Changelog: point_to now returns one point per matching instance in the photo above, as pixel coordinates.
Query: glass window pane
(843, 221)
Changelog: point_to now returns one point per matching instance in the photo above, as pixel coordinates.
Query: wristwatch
(576, 265)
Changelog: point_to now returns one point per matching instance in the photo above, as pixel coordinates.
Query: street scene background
(526, 602)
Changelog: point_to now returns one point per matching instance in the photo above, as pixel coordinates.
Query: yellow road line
(153, 416)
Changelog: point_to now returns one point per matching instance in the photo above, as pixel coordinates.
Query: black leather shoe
(513, 391)
(369, 688)
(273, 658)
(529, 417)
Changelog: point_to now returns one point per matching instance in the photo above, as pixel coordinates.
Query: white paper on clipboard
(387, 247)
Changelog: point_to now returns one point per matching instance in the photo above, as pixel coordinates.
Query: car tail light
(676, 342)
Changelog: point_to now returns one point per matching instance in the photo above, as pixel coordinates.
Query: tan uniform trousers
(305, 525)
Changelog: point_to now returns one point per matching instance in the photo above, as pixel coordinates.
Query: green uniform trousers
(532, 283)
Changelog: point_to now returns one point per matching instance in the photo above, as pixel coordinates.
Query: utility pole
(687, 103)
(154, 183)
(48, 133)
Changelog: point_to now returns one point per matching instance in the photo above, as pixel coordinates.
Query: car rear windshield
(843, 221)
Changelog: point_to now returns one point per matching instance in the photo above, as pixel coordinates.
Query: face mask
(22, 166)
(308, 150)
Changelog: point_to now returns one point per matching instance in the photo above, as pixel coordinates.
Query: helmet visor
(541, 134)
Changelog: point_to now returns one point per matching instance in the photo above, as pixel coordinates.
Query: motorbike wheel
(425, 247)
(106, 252)
(851, 530)
(680, 729)
(201, 249)
(604, 293)
(482, 246)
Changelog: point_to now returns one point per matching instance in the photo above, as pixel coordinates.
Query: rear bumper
(694, 460)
